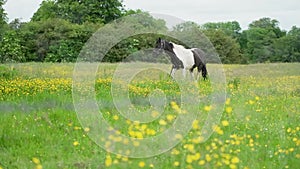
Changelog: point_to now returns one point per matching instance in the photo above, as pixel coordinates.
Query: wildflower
(225, 123)
(77, 128)
(232, 166)
(207, 157)
(257, 98)
(162, 122)
(175, 106)
(228, 110)
(108, 161)
(289, 130)
(201, 162)
(175, 152)
(227, 102)
(176, 163)
(86, 129)
(189, 158)
(35, 160)
(251, 102)
(218, 130)
(235, 160)
(142, 164)
(39, 166)
(170, 117)
(196, 124)
(75, 143)
(116, 117)
(207, 108)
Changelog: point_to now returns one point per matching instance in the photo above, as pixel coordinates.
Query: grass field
(259, 127)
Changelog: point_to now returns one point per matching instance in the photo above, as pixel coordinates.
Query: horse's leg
(192, 74)
(184, 73)
(198, 72)
(173, 70)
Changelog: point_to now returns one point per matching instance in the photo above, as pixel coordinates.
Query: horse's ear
(159, 39)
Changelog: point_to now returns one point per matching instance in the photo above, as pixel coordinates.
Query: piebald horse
(182, 58)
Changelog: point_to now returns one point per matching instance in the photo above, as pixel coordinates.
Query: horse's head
(162, 45)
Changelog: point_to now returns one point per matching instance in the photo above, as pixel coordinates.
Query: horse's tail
(204, 72)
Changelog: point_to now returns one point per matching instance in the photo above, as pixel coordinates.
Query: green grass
(259, 127)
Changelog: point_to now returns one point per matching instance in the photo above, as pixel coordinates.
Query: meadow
(259, 126)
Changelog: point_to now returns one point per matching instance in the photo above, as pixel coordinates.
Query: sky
(200, 11)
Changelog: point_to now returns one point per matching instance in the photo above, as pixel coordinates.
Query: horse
(182, 58)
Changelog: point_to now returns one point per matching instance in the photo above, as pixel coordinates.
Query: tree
(3, 19)
(259, 39)
(10, 48)
(288, 47)
(55, 40)
(227, 47)
(79, 12)
(232, 29)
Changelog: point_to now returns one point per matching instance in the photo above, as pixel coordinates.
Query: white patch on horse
(185, 55)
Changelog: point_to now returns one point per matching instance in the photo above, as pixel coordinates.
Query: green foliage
(260, 40)
(232, 29)
(227, 47)
(3, 19)
(55, 40)
(60, 28)
(288, 47)
(10, 48)
(80, 12)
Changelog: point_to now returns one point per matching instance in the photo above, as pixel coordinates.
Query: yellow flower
(189, 158)
(35, 160)
(176, 163)
(218, 130)
(201, 162)
(251, 102)
(225, 123)
(142, 164)
(170, 117)
(196, 124)
(39, 166)
(75, 143)
(256, 98)
(162, 122)
(175, 152)
(235, 160)
(227, 102)
(207, 157)
(207, 108)
(228, 110)
(86, 129)
(108, 161)
(116, 117)
(77, 128)
(232, 166)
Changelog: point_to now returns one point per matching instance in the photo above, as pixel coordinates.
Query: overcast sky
(200, 11)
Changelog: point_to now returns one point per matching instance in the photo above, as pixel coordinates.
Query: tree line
(59, 29)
